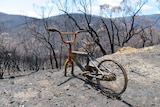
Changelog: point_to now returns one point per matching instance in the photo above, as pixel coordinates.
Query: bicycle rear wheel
(118, 84)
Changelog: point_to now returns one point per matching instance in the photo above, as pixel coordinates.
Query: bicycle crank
(108, 77)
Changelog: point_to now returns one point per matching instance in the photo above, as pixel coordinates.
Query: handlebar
(67, 33)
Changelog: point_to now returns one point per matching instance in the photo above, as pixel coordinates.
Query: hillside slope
(17, 30)
(9, 21)
(51, 89)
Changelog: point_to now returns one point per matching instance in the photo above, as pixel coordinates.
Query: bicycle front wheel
(118, 82)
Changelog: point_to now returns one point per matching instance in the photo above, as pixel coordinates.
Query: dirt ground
(49, 88)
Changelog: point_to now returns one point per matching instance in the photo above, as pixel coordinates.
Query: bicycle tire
(115, 87)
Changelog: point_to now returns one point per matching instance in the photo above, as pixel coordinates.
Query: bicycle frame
(100, 71)
(71, 59)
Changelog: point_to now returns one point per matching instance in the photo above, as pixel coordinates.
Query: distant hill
(95, 20)
(12, 21)
(17, 24)
(152, 18)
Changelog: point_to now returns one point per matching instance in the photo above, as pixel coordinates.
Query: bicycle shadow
(96, 87)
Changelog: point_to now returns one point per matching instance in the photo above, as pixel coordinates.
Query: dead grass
(130, 49)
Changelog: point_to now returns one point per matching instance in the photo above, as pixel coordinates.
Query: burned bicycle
(109, 74)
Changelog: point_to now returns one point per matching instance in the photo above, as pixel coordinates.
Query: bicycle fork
(66, 65)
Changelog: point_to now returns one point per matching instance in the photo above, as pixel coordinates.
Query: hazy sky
(26, 7)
